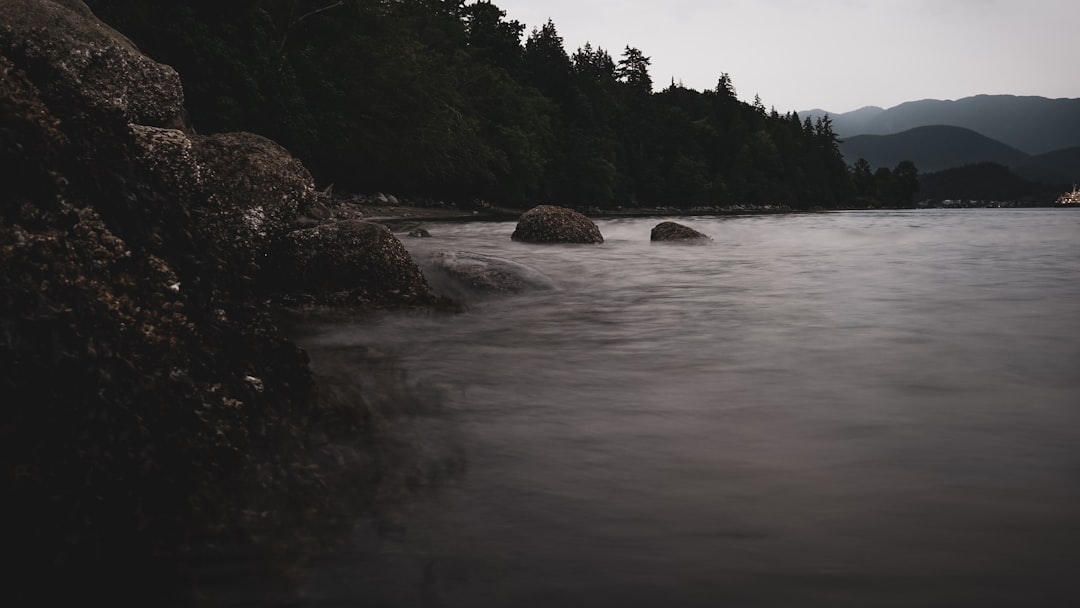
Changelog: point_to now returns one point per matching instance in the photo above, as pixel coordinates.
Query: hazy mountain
(1035, 125)
(984, 181)
(855, 122)
(936, 148)
(931, 149)
(1064, 165)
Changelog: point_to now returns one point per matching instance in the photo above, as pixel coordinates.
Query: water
(846, 409)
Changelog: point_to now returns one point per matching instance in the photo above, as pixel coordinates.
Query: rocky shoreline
(153, 405)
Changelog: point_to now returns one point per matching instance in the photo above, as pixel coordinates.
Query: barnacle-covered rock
(351, 261)
(672, 231)
(86, 67)
(551, 224)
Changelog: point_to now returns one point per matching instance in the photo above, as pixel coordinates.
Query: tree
(491, 38)
(907, 182)
(594, 64)
(862, 177)
(724, 87)
(633, 69)
(547, 65)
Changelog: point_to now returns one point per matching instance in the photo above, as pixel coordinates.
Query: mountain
(1059, 166)
(931, 149)
(984, 182)
(939, 147)
(855, 122)
(1035, 125)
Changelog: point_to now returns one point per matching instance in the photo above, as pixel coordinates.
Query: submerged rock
(671, 231)
(551, 224)
(461, 274)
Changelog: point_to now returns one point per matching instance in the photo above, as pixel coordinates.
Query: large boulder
(85, 67)
(30, 141)
(254, 191)
(671, 231)
(351, 261)
(462, 274)
(244, 191)
(149, 403)
(167, 155)
(551, 224)
(142, 400)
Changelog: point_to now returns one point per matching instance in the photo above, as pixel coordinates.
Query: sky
(836, 55)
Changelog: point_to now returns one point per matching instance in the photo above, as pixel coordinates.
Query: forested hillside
(933, 148)
(1035, 125)
(435, 98)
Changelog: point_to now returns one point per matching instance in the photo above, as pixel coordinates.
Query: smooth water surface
(844, 409)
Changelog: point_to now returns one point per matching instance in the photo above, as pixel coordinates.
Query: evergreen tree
(441, 98)
(491, 38)
(862, 179)
(633, 69)
(547, 65)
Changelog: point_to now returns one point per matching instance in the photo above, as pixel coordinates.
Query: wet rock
(254, 190)
(128, 425)
(551, 224)
(420, 233)
(31, 144)
(86, 67)
(350, 261)
(168, 156)
(147, 399)
(671, 231)
(461, 274)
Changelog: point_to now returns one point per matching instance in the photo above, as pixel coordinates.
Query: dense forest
(986, 182)
(443, 99)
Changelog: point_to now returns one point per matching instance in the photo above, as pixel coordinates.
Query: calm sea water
(845, 409)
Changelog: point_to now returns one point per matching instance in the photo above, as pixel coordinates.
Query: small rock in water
(551, 224)
(671, 231)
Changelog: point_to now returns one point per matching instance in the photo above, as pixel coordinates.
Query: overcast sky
(838, 55)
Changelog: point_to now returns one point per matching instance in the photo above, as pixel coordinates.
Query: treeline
(885, 187)
(986, 182)
(436, 98)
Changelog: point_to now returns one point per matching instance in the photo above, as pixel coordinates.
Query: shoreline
(405, 217)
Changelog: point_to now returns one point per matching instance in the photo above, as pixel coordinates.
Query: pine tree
(633, 69)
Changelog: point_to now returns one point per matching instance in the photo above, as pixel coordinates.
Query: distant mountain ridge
(940, 147)
(1034, 125)
(931, 148)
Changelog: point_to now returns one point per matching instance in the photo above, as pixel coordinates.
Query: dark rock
(671, 231)
(420, 233)
(168, 156)
(79, 62)
(551, 224)
(31, 142)
(319, 211)
(461, 274)
(130, 424)
(149, 399)
(254, 190)
(350, 261)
